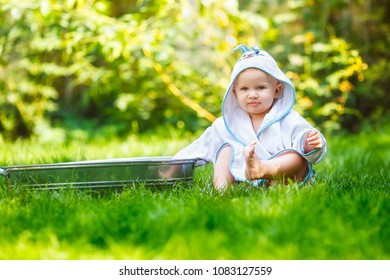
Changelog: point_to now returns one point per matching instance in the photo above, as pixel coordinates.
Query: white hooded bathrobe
(282, 130)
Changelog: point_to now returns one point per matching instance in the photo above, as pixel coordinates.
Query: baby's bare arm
(313, 141)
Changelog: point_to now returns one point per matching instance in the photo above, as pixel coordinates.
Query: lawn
(345, 214)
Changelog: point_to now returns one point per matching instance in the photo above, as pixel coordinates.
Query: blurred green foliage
(132, 66)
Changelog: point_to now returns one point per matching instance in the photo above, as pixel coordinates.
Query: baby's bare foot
(253, 164)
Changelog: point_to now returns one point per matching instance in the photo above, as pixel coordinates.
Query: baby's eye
(244, 88)
(261, 87)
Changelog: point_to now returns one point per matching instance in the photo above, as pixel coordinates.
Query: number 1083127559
(242, 270)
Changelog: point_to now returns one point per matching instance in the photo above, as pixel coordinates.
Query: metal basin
(110, 173)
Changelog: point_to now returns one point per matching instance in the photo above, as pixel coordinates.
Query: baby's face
(256, 91)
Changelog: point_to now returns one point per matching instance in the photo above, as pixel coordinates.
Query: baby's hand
(313, 141)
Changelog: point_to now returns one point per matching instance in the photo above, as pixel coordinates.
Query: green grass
(343, 215)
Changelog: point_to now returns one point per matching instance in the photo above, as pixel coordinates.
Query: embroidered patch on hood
(258, 59)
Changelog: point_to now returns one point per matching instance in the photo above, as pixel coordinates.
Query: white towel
(283, 129)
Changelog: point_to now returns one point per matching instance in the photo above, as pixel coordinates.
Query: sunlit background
(85, 68)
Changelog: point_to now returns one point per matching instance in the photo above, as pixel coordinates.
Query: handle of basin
(200, 162)
(4, 172)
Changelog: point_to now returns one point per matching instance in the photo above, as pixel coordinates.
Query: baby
(259, 137)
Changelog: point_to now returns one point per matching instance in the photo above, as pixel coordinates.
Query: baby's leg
(222, 176)
(287, 165)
